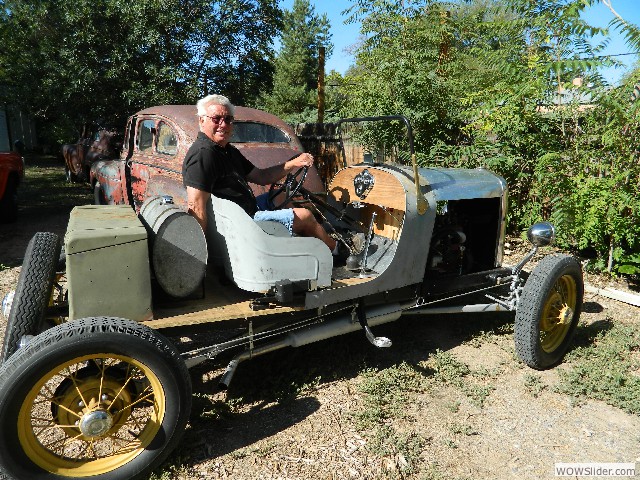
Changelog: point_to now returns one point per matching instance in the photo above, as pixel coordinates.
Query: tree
(68, 62)
(232, 52)
(293, 96)
(483, 83)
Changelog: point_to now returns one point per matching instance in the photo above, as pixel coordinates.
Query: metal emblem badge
(363, 183)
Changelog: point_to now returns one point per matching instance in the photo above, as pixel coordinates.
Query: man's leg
(305, 224)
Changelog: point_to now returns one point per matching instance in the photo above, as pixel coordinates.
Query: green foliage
(451, 371)
(386, 396)
(490, 84)
(387, 393)
(618, 384)
(294, 96)
(70, 62)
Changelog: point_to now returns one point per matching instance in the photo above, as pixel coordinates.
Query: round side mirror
(541, 234)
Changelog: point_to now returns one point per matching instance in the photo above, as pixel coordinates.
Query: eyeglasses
(217, 119)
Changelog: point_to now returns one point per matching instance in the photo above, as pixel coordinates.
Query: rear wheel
(549, 311)
(33, 292)
(96, 398)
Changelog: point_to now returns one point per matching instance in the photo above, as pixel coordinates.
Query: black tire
(98, 195)
(548, 311)
(33, 291)
(123, 383)
(9, 201)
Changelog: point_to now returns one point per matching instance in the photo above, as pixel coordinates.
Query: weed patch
(534, 385)
(474, 384)
(386, 396)
(606, 369)
(387, 393)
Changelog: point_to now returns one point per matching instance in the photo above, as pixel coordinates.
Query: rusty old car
(11, 174)
(95, 143)
(95, 376)
(157, 140)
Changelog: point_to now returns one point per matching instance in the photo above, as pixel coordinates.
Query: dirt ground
(290, 414)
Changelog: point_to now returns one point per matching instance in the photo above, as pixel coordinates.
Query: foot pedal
(380, 342)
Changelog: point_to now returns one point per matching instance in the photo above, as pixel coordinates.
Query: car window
(251, 132)
(145, 135)
(167, 140)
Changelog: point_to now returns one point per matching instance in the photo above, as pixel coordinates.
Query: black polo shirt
(219, 170)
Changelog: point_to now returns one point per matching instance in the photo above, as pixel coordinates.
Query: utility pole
(321, 85)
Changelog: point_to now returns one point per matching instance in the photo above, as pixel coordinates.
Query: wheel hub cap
(566, 315)
(95, 424)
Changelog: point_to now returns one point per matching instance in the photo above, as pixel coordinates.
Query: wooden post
(321, 85)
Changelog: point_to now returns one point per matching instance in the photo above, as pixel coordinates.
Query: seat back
(255, 260)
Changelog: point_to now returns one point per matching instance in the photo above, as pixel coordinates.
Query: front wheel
(101, 398)
(548, 311)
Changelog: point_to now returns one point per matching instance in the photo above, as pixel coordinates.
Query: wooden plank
(227, 303)
(215, 314)
(387, 190)
(614, 294)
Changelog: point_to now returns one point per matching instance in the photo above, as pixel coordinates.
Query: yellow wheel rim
(91, 415)
(558, 313)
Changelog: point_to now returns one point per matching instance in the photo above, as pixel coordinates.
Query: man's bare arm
(266, 176)
(197, 203)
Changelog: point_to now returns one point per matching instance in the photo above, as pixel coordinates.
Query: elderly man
(212, 165)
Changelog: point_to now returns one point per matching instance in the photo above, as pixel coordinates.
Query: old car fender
(11, 164)
(112, 178)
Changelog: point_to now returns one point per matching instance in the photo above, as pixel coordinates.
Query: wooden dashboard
(387, 198)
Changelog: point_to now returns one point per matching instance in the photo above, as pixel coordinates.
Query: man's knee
(303, 221)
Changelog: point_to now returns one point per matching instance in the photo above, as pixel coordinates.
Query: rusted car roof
(262, 155)
(185, 116)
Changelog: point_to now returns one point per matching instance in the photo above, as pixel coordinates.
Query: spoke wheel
(94, 398)
(557, 313)
(96, 423)
(549, 311)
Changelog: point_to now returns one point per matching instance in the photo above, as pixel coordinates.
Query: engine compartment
(465, 238)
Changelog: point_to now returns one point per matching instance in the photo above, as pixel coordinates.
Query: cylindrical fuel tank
(178, 247)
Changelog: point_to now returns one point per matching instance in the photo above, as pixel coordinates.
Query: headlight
(541, 234)
(7, 301)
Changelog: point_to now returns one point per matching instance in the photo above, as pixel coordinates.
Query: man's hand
(274, 173)
(302, 160)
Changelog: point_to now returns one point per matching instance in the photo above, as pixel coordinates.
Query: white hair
(204, 103)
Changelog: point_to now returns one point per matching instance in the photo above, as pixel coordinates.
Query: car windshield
(252, 132)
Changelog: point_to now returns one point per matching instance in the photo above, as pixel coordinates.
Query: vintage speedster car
(106, 393)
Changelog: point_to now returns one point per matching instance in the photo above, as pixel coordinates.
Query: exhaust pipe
(343, 324)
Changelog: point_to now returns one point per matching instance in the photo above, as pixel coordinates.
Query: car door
(156, 167)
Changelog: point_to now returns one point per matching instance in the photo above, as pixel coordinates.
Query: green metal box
(107, 261)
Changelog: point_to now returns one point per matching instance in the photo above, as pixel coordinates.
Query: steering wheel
(291, 186)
